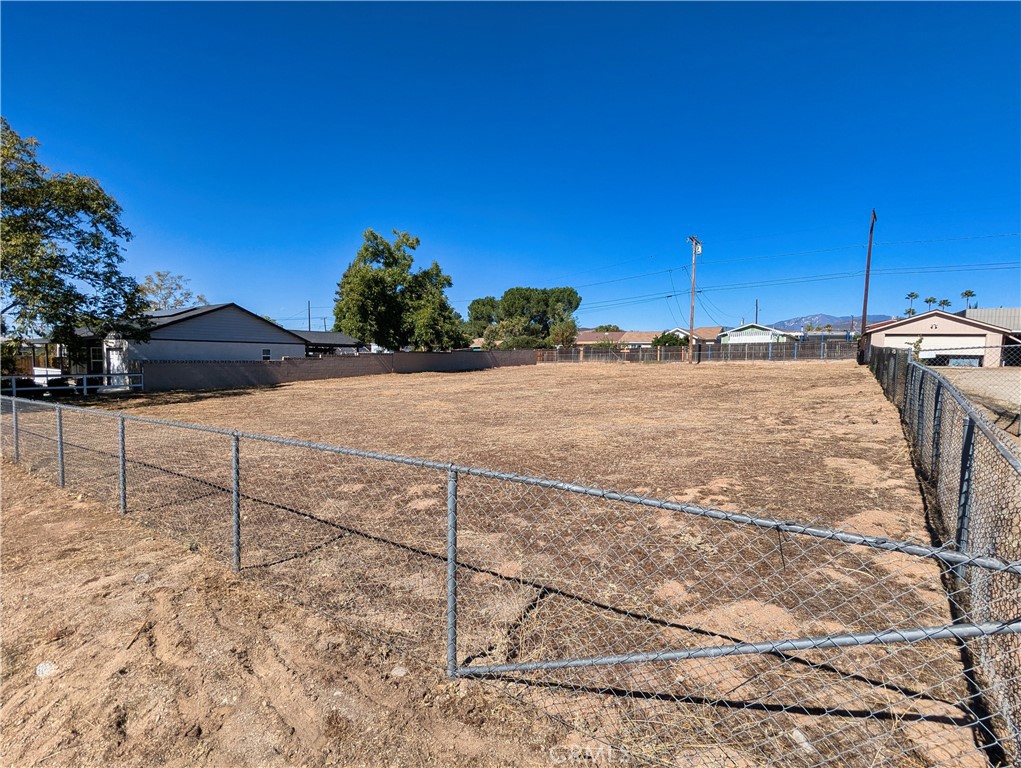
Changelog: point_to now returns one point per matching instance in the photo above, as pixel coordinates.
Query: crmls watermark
(597, 754)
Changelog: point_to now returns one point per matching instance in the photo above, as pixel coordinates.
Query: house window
(96, 356)
(265, 354)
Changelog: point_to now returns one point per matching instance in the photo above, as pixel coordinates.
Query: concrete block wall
(190, 375)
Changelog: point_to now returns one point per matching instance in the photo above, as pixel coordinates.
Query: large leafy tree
(525, 317)
(62, 241)
(166, 291)
(482, 313)
(380, 299)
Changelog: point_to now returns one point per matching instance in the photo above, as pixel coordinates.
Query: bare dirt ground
(811, 442)
(163, 657)
(747, 436)
(996, 390)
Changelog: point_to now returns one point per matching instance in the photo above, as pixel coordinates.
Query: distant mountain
(838, 323)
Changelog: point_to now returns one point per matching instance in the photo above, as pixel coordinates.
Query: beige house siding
(939, 330)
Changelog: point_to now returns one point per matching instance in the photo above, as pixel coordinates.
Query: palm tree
(911, 300)
(910, 312)
(967, 296)
(929, 301)
(944, 303)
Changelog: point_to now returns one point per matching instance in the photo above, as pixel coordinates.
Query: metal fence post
(451, 572)
(235, 454)
(60, 447)
(937, 419)
(14, 425)
(893, 384)
(909, 394)
(964, 496)
(122, 453)
(920, 411)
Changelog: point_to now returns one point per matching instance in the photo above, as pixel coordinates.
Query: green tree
(62, 241)
(967, 296)
(911, 300)
(529, 312)
(482, 313)
(929, 301)
(166, 291)
(944, 304)
(512, 334)
(910, 312)
(380, 300)
(564, 333)
(667, 339)
(432, 322)
(607, 328)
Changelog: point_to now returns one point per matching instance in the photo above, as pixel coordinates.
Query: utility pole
(756, 311)
(696, 249)
(868, 267)
(310, 314)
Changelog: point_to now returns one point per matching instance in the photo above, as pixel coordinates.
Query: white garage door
(931, 344)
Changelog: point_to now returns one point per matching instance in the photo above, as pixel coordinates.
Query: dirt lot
(547, 576)
(759, 430)
(164, 657)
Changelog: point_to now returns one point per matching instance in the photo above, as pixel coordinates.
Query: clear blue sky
(250, 144)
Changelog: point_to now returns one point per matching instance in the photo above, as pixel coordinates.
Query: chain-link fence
(705, 353)
(677, 634)
(970, 462)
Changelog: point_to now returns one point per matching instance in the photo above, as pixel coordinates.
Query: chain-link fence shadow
(678, 634)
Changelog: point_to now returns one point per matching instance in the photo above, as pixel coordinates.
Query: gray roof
(164, 317)
(327, 338)
(167, 316)
(1005, 317)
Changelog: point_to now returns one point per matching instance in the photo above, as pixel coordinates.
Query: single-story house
(823, 336)
(618, 339)
(705, 334)
(210, 332)
(320, 343)
(942, 338)
(753, 333)
(638, 339)
(591, 338)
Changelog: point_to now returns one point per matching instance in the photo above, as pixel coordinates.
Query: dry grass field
(547, 574)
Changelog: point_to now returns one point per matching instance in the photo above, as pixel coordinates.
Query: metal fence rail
(679, 634)
(45, 385)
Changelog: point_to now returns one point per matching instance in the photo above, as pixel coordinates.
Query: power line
(644, 298)
(949, 239)
(698, 295)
